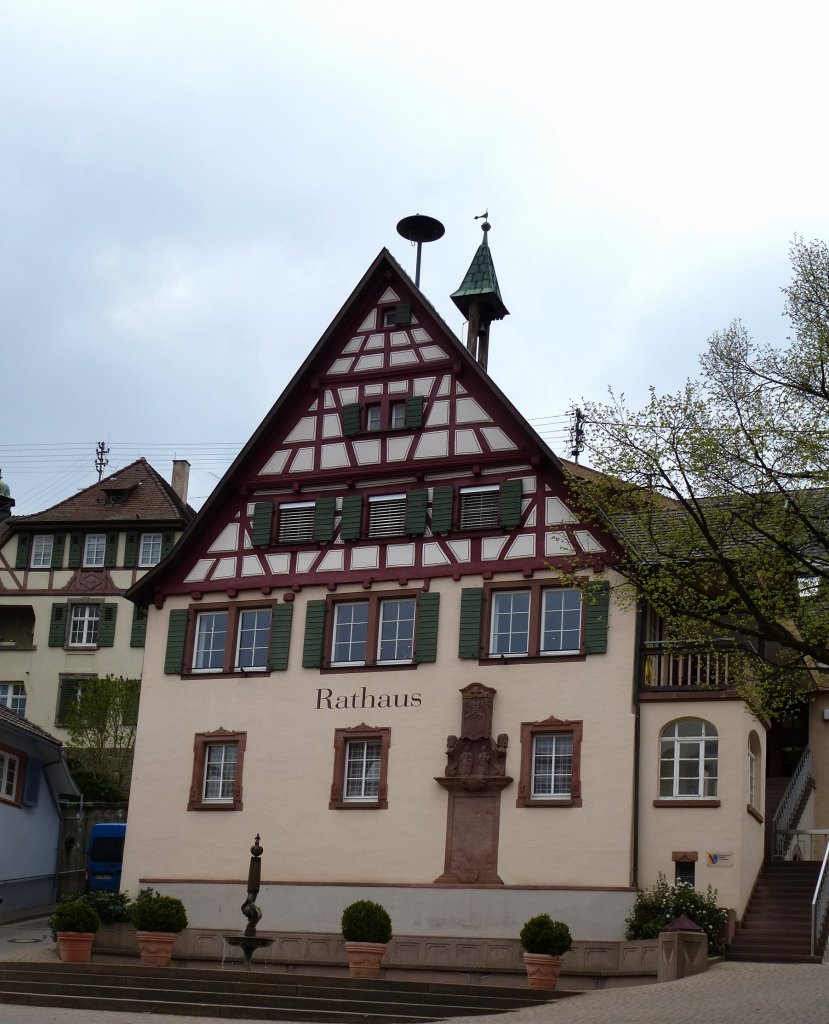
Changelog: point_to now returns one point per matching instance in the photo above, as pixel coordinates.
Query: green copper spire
(481, 284)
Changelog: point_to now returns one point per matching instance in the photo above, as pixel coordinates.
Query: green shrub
(657, 907)
(365, 921)
(153, 913)
(74, 916)
(111, 907)
(541, 934)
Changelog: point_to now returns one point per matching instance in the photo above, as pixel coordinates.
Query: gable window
(150, 551)
(42, 544)
(550, 764)
(387, 515)
(688, 760)
(397, 417)
(10, 777)
(360, 768)
(13, 697)
(218, 760)
(480, 508)
(94, 550)
(397, 316)
(84, 621)
(374, 414)
(296, 522)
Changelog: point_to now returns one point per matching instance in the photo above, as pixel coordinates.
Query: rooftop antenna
(420, 229)
(101, 460)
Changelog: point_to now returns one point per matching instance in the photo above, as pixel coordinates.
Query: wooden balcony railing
(686, 666)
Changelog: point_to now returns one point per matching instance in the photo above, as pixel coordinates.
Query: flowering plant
(657, 907)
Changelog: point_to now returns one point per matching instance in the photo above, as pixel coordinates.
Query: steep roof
(384, 269)
(135, 493)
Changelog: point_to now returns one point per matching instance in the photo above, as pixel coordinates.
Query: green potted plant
(366, 928)
(157, 921)
(545, 942)
(74, 924)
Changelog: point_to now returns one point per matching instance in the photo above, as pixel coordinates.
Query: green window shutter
(416, 512)
(597, 606)
(106, 625)
(351, 420)
(111, 550)
(443, 499)
(57, 625)
(75, 545)
(426, 638)
(511, 491)
(262, 524)
(58, 545)
(414, 412)
(168, 539)
(324, 519)
(131, 551)
(402, 314)
(469, 637)
(176, 636)
(352, 517)
(314, 634)
(67, 696)
(281, 619)
(138, 635)
(24, 543)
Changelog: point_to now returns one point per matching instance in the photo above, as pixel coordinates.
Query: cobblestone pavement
(728, 993)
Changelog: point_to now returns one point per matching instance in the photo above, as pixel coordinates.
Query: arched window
(688, 760)
(755, 795)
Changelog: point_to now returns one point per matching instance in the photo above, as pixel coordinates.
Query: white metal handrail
(791, 800)
(820, 902)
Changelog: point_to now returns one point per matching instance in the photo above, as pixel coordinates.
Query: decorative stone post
(683, 950)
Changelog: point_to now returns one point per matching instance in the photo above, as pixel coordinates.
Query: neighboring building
(394, 558)
(63, 576)
(33, 775)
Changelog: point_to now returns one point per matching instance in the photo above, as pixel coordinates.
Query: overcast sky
(190, 190)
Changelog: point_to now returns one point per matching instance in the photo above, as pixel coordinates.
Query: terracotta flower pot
(364, 958)
(75, 947)
(155, 948)
(542, 970)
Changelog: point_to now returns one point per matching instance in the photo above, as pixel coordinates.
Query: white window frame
(220, 773)
(402, 627)
(205, 647)
(564, 615)
(498, 616)
(42, 548)
(149, 552)
(84, 625)
(679, 745)
(339, 610)
(13, 697)
(296, 522)
(560, 766)
(397, 415)
(387, 515)
(94, 550)
(258, 646)
(363, 762)
(478, 509)
(9, 775)
(374, 416)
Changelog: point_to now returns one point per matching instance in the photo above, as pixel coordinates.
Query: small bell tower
(479, 299)
(6, 499)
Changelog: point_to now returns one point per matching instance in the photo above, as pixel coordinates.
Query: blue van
(105, 856)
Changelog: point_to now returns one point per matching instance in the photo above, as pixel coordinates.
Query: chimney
(181, 478)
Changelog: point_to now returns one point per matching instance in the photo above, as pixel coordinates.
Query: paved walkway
(728, 993)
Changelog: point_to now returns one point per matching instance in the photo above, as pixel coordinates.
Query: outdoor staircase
(776, 925)
(253, 996)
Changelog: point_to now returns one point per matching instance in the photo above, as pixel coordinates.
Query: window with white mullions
(510, 622)
(362, 770)
(83, 625)
(350, 633)
(552, 769)
(296, 522)
(9, 774)
(150, 553)
(688, 760)
(13, 697)
(398, 415)
(253, 645)
(211, 637)
(220, 772)
(42, 545)
(387, 515)
(480, 508)
(94, 549)
(561, 621)
(397, 626)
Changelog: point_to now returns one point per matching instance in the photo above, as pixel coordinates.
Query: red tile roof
(24, 725)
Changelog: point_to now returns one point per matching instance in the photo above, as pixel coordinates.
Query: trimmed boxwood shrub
(111, 907)
(657, 907)
(366, 921)
(74, 916)
(153, 913)
(541, 934)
